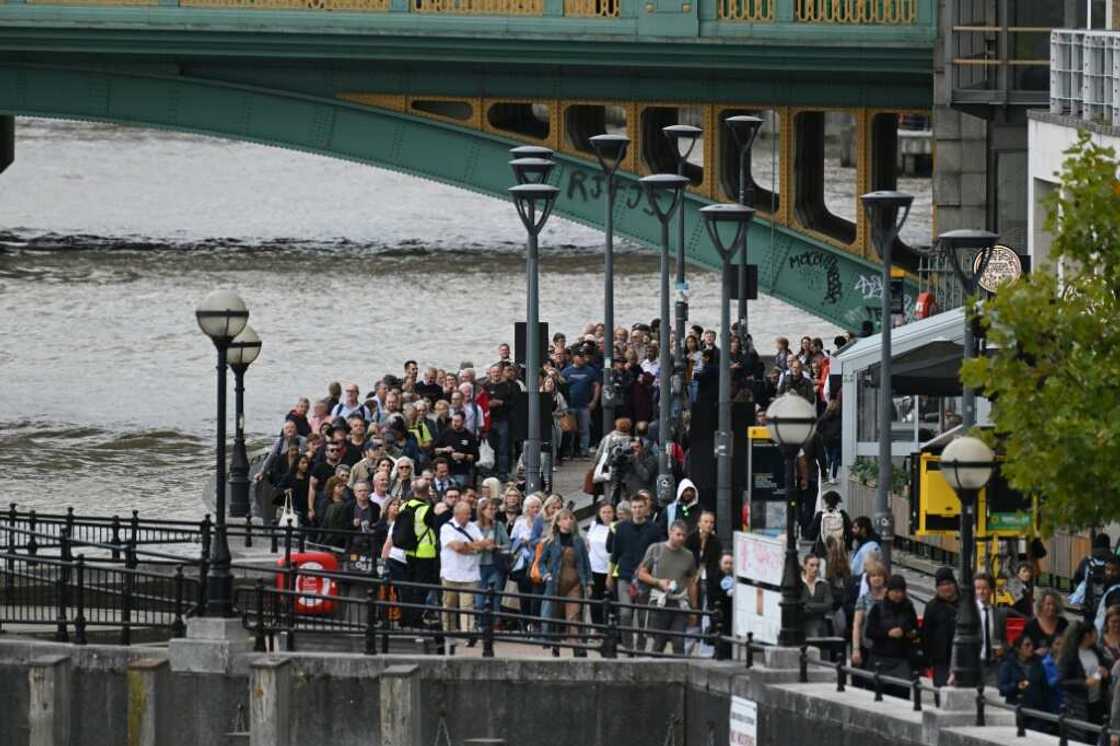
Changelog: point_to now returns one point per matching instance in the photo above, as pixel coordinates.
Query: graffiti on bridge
(588, 185)
(810, 265)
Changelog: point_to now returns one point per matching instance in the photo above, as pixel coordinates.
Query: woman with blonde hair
(566, 572)
(522, 554)
(876, 574)
(491, 488)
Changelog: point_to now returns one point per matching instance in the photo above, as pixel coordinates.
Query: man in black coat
(940, 623)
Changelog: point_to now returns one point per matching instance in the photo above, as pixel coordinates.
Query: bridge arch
(798, 269)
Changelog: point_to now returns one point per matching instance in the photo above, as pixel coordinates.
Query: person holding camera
(639, 468)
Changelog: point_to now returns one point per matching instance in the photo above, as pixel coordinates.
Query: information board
(743, 722)
(766, 484)
(759, 565)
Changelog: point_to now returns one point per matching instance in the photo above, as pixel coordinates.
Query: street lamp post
(241, 353)
(740, 217)
(744, 129)
(534, 203)
(967, 464)
(791, 421)
(672, 185)
(681, 136)
(221, 316)
(982, 243)
(887, 212)
(610, 150)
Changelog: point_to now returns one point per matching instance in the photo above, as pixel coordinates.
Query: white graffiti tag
(869, 287)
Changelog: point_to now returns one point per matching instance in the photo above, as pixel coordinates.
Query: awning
(930, 370)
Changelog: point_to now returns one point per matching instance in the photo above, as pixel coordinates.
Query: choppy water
(114, 235)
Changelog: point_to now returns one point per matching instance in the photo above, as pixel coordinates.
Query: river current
(111, 236)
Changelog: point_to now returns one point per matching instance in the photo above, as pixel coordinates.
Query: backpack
(832, 526)
(404, 530)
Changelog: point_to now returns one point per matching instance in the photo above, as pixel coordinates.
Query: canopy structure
(930, 370)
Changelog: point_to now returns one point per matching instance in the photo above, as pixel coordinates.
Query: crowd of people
(427, 467)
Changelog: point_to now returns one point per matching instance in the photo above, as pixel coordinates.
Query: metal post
(80, 602)
(219, 582)
(674, 185)
(968, 394)
(665, 393)
(966, 640)
(239, 461)
(178, 627)
(791, 633)
(740, 217)
(883, 211)
(885, 518)
(609, 151)
(534, 202)
(532, 372)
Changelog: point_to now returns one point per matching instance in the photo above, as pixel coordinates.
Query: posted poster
(743, 728)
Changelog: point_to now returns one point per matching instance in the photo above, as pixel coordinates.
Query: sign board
(743, 722)
(759, 564)
(766, 480)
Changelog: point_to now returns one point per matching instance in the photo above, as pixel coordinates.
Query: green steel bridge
(442, 88)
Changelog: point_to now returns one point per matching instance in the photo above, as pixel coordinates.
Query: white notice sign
(743, 726)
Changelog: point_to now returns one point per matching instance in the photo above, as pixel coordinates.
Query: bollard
(127, 593)
(115, 539)
(248, 531)
(134, 524)
(916, 690)
(273, 538)
(803, 665)
(1063, 740)
(178, 627)
(877, 682)
(750, 650)
(488, 621)
(840, 676)
(32, 524)
(715, 628)
(80, 602)
(980, 706)
(1020, 726)
(371, 623)
(63, 583)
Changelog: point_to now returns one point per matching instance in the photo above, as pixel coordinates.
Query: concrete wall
(342, 699)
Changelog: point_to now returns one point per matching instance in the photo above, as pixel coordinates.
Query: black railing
(374, 609)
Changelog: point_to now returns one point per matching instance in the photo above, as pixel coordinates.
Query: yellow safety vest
(425, 535)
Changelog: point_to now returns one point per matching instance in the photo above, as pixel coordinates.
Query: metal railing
(857, 11)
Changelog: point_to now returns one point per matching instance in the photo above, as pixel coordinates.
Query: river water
(114, 235)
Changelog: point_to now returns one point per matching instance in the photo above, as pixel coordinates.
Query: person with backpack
(830, 523)
(1089, 578)
(414, 532)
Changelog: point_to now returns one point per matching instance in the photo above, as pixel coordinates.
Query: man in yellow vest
(423, 560)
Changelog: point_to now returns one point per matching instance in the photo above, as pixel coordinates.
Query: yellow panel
(553, 138)
(474, 121)
(379, 6)
(753, 11)
(895, 12)
(785, 144)
(480, 7)
(721, 132)
(593, 8)
(791, 216)
(704, 187)
(388, 101)
(937, 497)
(565, 144)
(757, 432)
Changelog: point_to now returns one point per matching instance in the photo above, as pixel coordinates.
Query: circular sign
(1004, 266)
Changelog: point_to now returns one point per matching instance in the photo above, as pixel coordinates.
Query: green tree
(1055, 380)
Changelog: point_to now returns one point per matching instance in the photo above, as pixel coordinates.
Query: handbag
(486, 456)
(568, 423)
(589, 481)
(535, 570)
(288, 516)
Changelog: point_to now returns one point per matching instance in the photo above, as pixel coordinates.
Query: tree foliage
(1055, 380)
